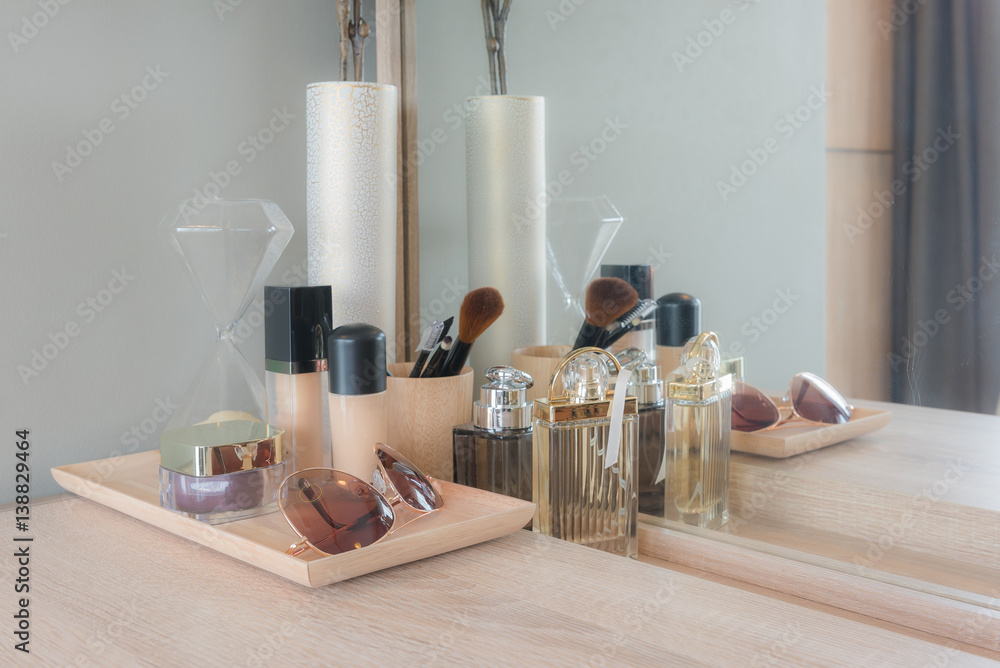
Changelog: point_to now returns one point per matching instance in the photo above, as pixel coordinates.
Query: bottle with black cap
(358, 416)
(643, 336)
(678, 319)
(296, 324)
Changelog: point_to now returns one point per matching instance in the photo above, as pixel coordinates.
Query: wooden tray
(130, 485)
(789, 441)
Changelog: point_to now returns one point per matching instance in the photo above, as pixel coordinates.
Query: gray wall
(676, 130)
(62, 240)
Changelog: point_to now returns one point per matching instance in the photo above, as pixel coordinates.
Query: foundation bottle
(678, 319)
(296, 324)
(358, 417)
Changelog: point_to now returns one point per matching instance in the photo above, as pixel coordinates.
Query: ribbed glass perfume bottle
(493, 452)
(699, 403)
(585, 457)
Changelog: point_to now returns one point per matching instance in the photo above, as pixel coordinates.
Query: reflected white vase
(351, 132)
(505, 200)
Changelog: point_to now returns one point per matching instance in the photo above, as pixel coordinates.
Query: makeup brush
(428, 340)
(480, 309)
(447, 327)
(607, 300)
(437, 359)
(625, 324)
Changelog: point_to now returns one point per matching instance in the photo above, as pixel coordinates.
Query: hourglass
(219, 458)
(579, 231)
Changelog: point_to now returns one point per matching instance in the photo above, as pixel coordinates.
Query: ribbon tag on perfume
(617, 417)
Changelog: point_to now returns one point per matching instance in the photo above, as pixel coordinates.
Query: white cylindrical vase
(351, 199)
(505, 200)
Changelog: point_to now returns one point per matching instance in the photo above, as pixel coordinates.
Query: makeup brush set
(440, 355)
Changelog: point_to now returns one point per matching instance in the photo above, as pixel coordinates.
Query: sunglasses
(809, 398)
(335, 512)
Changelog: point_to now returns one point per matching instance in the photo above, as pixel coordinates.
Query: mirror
(821, 180)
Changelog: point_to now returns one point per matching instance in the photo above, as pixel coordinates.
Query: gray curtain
(946, 219)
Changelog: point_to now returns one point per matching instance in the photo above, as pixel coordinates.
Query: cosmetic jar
(231, 476)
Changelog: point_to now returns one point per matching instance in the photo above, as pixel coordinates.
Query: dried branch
(358, 33)
(495, 24)
(343, 24)
(491, 43)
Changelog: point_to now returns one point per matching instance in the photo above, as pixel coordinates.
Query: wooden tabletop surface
(108, 590)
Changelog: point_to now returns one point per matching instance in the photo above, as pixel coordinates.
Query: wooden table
(902, 524)
(108, 590)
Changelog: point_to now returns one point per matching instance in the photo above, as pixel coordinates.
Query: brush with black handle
(433, 368)
(607, 300)
(480, 309)
(428, 341)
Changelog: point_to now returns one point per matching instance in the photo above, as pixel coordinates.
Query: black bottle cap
(296, 322)
(678, 318)
(357, 359)
(639, 276)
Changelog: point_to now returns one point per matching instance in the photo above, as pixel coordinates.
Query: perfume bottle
(696, 466)
(493, 452)
(646, 386)
(584, 469)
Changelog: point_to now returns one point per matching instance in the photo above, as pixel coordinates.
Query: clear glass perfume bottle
(696, 466)
(646, 386)
(493, 452)
(585, 456)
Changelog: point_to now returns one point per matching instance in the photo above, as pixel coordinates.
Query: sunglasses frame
(402, 512)
(786, 404)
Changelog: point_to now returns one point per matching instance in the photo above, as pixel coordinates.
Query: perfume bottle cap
(645, 383)
(357, 359)
(583, 377)
(678, 319)
(503, 402)
(296, 324)
(700, 378)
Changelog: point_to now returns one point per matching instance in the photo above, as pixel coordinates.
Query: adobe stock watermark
(901, 13)
(250, 148)
(31, 25)
(919, 506)
(787, 126)
(562, 13)
(121, 108)
(956, 299)
(224, 7)
(778, 648)
(635, 621)
(914, 168)
(106, 636)
(704, 39)
(582, 158)
(41, 357)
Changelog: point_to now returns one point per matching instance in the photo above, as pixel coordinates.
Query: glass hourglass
(220, 460)
(579, 231)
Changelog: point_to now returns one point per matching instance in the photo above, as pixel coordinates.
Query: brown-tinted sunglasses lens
(752, 409)
(333, 510)
(413, 486)
(817, 400)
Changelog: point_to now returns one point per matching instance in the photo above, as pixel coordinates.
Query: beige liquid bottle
(358, 417)
(678, 319)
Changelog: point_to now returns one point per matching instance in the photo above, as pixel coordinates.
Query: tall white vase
(505, 199)
(351, 199)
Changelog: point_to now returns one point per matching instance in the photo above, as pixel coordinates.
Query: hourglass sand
(220, 459)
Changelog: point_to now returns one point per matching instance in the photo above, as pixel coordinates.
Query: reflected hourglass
(579, 231)
(219, 458)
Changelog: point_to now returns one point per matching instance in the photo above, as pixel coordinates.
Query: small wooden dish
(130, 485)
(794, 439)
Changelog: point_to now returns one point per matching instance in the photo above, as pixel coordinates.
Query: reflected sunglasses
(335, 512)
(809, 398)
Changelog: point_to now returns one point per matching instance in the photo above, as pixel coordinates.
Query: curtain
(946, 217)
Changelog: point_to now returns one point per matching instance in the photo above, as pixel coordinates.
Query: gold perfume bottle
(584, 473)
(696, 466)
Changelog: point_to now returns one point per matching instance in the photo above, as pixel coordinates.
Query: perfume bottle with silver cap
(585, 455)
(696, 466)
(493, 452)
